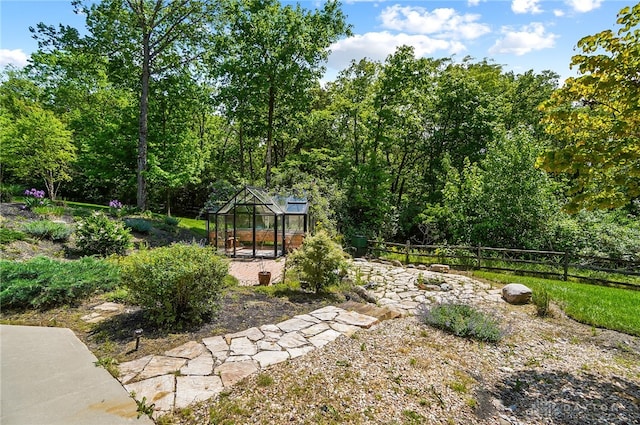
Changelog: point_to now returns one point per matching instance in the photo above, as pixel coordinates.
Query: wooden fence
(564, 265)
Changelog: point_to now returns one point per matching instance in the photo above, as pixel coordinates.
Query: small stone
(189, 350)
(230, 373)
(109, 307)
(516, 293)
(396, 263)
(445, 287)
(191, 389)
(268, 358)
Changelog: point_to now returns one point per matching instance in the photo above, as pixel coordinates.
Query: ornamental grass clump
(45, 229)
(138, 225)
(99, 235)
(462, 320)
(178, 284)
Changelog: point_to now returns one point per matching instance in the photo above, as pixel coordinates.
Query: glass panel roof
(252, 196)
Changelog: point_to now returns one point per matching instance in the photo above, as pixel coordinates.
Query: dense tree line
(172, 104)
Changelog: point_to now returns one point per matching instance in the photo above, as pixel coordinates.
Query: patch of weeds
(413, 417)
(143, 407)
(472, 403)
(9, 235)
(459, 387)
(541, 300)
(413, 361)
(110, 364)
(49, 211)
(264, 380)
(343, 363)
(532, 362)
(462, 320)
(363, 347)
(119, 295)
(437, 395)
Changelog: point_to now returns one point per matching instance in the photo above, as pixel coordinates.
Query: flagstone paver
(197, 371)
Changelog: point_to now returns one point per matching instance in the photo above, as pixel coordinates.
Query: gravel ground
(545, 371)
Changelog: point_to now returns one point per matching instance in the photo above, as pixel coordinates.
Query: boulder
(440, 268)
(396, 263)
(516, 293)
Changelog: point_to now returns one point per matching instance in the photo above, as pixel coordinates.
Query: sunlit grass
(599, 306)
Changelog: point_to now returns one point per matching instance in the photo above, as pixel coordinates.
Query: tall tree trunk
(272, 101)
(143, 129)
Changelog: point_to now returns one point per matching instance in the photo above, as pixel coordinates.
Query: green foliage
(45, 283)
(319, 262)
(10, 235)
(171, 221)
(462, 320)
(40, 146)
(541, 300)
(594, 119)
(99, 235)
(139, 225)
(45, 229)
(9, 191)
(49, 211)
(176, 284)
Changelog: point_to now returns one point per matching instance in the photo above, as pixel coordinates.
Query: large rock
(516, 293)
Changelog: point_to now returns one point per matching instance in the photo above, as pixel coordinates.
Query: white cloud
(13, 57)
(558, 13)
(525, 6)
(442, 22)
(378, 45)
(584, 6)
(473, 2)
(528, 38)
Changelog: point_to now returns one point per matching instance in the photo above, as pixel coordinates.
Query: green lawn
(599, 306)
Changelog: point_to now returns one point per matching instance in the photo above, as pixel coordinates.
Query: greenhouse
(255, 224)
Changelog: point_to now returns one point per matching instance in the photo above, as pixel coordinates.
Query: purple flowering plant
(34, 198)
(116, 208)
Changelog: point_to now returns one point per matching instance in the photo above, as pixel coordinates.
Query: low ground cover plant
(99, 235)
(179, 284)
(462, 320)
(139, 225)
(10, 235)
(45, 229)
(45, 283)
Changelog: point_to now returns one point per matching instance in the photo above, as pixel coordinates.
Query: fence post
(565, 265)
(479, 257)
(406, 252)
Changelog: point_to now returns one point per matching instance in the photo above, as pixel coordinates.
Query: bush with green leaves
(99, 235)
(462, 320)
(139, 225)
(46, 283)
(320, 261)
(177, 284)
(45, 229)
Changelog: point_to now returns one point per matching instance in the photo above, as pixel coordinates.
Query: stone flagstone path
(198, 371)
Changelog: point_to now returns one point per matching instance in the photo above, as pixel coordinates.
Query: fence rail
(565, 265)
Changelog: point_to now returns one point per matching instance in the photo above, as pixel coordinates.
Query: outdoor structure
(254, 224)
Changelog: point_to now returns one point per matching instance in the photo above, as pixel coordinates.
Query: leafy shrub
(541, 300)
(45, 229)
(176, 284)
(171, 221)
(9, 191)
(45, 283)
(139, 225)
(10, 235)
(462, 320)
(319, 261)
(98, 235)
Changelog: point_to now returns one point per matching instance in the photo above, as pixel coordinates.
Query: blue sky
(518, 34)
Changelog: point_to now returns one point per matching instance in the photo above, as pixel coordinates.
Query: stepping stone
(189, 350)
(161, 365)
(215, 344)
(292, 340)
(158, 391)
(230, 373)
(356, 319)
(242, 346)
(308, 318)
(300, 351)
(346, 330)
(235, 359)
(109, 307)
(326, 313)
(324, 338)
(93, 318)
(254, 334)
(294, 324)
(129, 370)
(315, 329)
(268, 358)
(191, 389)
(202, 365)
(268, 346)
